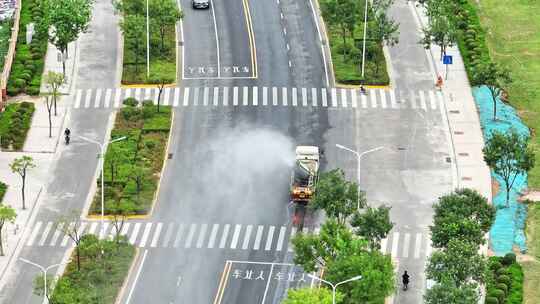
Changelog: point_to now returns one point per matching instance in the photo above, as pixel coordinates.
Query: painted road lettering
(212, 71)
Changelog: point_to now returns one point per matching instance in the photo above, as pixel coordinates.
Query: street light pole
(44, 271)
(147, 41)
(359, 162)
(102, 148)
(364, 41)
(334, 286)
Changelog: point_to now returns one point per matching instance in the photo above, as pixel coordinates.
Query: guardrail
(10, 54)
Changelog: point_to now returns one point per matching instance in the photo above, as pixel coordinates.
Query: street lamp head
(340, 146)
(356, 278)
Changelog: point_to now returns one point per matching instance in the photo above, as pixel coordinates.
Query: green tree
(463, 214)
(54, 81)
(7, 215)
(121, 210)
(134, 31)
(49, 105)
(68, 19)
(441, 29)
(70, 225)
(313, 251)
(494, 77)
(460, 263)
(377, 276)
(21, 165)
(138, 174)
(164, 14)
(509, 155)
(373, 225)
(447, 292)
(162, 79)
(342, 14)
(311, 296)
(337, 196)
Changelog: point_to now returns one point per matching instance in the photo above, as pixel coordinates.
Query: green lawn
(101, 275)
(532, 268)
(513, 33)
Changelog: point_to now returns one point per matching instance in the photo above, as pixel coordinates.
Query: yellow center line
(252, 46)
(223, 282)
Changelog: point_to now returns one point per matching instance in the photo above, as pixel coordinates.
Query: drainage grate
(448, 160)
(463, 154)
(454, 111)
(169, 156)
(466, 178)
(459, 132)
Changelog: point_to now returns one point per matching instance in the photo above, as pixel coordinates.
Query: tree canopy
(373, 225)
(311, 296)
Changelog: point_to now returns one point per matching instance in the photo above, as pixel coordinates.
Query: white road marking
(423, 104)
(224, 236)
(34, 233)
(108, 93)
(213, 235)
(284, 101)
(127, 93)
(314, 97)
(196, 96)
(45, 233)
(226, 96)
(66, 238)
(255, 96)
(176, 97)
(395, 241)
(78, 99)
(393, 101)
(157, 232)
(205, 96)
(293, 233)
(202, 234)
(245, 96)
(432, 100)
(186, 97)
(125, 229)
(215, 100)
(103, 230)
(373, 96)
(247, 235)
(274, 96)
(178, 236)
(258, 237)
(137, 276)
(304, 97)
(363, 97)
(294, 96)
(417, 245)
(134, 233)
(354, 99)
(429, 249)
(156, 95)
(383, 99)
(406, 243)
(235, 96)
(167, 96)
(87, 99)
(168, 235)
(190, 235)
(265, 96)
(413, 100)
(334, 97)
(235, 236)
(97, 99)
(324, 97)
(281, 238)
(146, 233)
(93, 228)
(117, 98)
(137, 94)
(269, 238)
(344, 98)
(56, 234)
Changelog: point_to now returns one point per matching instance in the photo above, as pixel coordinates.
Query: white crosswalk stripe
(199, 236)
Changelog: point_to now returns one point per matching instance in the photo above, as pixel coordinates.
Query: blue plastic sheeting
(510, 222)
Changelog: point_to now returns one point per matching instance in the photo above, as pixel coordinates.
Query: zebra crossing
(262, 96)
(213, 236)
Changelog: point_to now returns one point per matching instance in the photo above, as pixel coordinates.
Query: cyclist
(405, 279)
(67, 133)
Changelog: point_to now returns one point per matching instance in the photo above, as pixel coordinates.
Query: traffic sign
(447, 59)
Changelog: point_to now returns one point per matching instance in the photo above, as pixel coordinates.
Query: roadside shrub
(495, 265)
(33, 90)
(499, 294)
(147, 103)
(509, 259)
(503, 287)
(130, 101)
(501, 271)
(19, 83)
(492, 300)
(504, 279)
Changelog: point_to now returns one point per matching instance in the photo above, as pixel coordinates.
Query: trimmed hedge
(3, 190)
(14, 125)
(133, 165)
(504, 280)
(27, 68)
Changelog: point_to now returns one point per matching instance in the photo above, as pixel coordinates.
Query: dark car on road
(200, 3)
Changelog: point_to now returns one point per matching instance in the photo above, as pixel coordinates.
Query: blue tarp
(510, 222)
